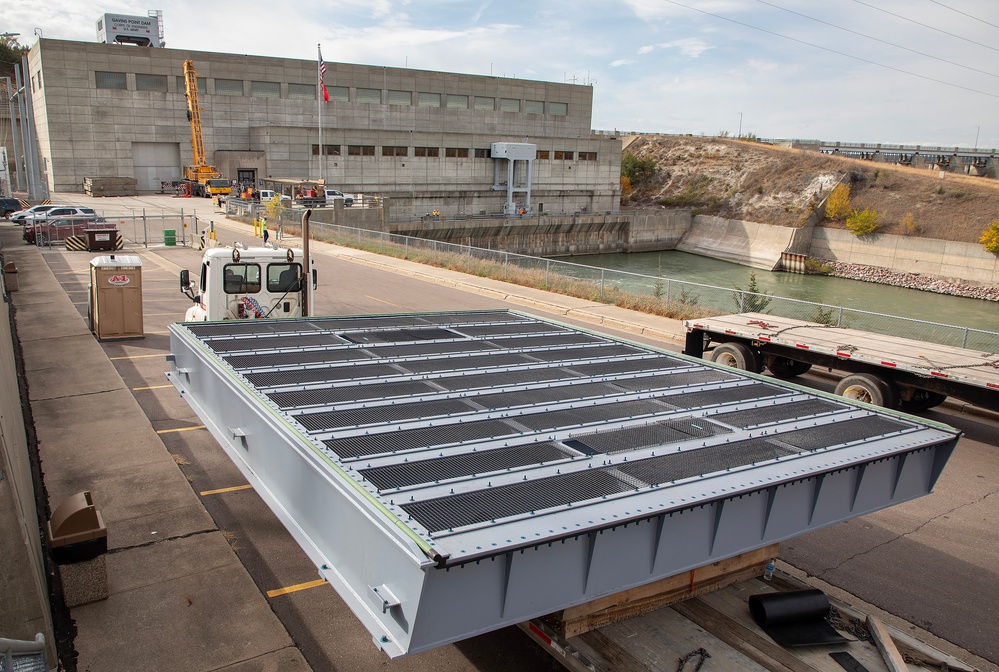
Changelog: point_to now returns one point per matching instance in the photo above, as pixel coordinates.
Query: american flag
(322, 75)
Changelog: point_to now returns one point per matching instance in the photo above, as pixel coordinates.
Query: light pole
(977, 131)
(740, 125)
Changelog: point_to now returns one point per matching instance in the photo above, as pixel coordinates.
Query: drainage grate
(722, 396)
(469, 508)
(590, 414)
(328, 396)
(702, 461)
(456, 466)
(815, 438)
(332, 374)
(424, 437)
(777, 412)
(655, 434)
(358, 417)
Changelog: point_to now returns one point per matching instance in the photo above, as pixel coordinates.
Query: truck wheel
(782, 367)
(922, 400)
(868, 388)
(738, 356)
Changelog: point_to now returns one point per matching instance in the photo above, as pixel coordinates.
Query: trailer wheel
(922, 400)
(738, 356)
(868, 388)
(782, 367)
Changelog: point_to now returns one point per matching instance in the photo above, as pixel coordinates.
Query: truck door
(284, 289)
(241, 289)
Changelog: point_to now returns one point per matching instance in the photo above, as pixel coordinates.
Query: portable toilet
(115, 308)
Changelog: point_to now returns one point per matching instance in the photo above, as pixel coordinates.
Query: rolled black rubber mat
(795, 618)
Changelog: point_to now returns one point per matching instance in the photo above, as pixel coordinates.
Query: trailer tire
(868, 388)
(922, 400)
(782, 367)
(738, 356)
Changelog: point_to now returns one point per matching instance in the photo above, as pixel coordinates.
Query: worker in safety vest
(263, 226)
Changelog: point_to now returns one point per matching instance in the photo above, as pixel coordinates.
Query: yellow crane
(203, 179)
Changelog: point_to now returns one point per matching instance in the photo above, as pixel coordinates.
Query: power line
(924, 25)
(832, 51)
(877, 39)
(953, 9)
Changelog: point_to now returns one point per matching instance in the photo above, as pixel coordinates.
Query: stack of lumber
(110, 186)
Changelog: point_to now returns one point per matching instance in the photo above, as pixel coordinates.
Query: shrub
(909, 227)
(863, 222)
(816, 267)
(838, 203)
(625, 187)
(990, 238)
(637, 170)
(752, 299)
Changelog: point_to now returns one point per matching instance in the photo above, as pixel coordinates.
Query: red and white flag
(322, 75)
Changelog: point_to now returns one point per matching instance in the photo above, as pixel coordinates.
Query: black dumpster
(101, 239)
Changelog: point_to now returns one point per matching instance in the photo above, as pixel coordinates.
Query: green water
(886, 299)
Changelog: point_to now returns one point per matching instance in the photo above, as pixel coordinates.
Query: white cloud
(621, 61)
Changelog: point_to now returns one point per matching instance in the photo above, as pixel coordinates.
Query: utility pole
(977, 131)
(740, 126)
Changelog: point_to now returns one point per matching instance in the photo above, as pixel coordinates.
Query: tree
(637, 170)
(838, 203)
(275, 208)
(753, 299)
(863, 222)
(10, 53)
(990, 238)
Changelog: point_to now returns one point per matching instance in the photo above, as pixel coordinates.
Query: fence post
(667, 291)
(601, 283)
(406, 254)
(839, 320)
(506, 265)
(145, 230)
(964, 343)
(468, 260)
(742, 302)
(548, 265)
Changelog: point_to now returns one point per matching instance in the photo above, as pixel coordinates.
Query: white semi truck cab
(239, 283)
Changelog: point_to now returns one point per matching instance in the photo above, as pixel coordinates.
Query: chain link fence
(658, 293)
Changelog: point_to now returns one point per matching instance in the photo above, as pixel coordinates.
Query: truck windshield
(218, 183)
(283, 277)
(241, 278)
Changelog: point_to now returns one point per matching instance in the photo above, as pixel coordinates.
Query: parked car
(42, 232)
(62, 211)
(8, 206)
(19, 216)
(332, 196)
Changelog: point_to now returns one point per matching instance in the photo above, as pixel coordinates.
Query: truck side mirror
(185, 279)
(315, 279)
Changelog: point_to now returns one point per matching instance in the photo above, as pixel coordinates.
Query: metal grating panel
(673, 380)
(547, 341)
(245, 327)
(568, 355)
(242, 362)
(646, 436)
(846, 431)
(723, 396)
(337, 395)
(544, 395)
(359, 417)
(424, 349)
(777, 412)
(401, 335)
(702, 461)
(482, 506)
(387, 442)
(222, 346)
(503, 378)
(300, 376)
(469, 464)
(486, 330)
(461, 363)
(628, 365)
(590, 414)
(458, 319)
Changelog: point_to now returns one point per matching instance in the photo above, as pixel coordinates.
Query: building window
(150, 82)
(265, 89)
(456, 152)
(110, 80)
(400, 97)
(302, 91)
(340, 93)
(482, 153)
(40, 81)
(369, 96)
(457, 102)
(534, 106)
(182, 84)
(428, 100)
(432, 152)
(587, 156)
(360, 150)
(395, 151)
(509, 105)
(542, 154)
(328, 150)
(558, 109)
(228, 87)
(485, 103)
(563, 156)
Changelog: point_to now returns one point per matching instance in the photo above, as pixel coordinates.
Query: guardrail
(22, 656)
(659, 293)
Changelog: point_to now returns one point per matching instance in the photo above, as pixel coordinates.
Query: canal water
(886, 299)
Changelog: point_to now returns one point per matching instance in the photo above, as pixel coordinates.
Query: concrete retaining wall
(749, 243)
(957, 262)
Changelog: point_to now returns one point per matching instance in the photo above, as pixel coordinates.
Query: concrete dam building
(421, 138)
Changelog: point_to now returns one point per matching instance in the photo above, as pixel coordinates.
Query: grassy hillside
(775, 185)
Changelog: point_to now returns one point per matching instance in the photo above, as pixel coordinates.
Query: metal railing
(22, 656)
(608, 286)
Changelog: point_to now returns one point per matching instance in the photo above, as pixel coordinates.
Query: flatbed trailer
(889, 371)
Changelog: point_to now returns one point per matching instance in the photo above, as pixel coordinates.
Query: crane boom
(199, 173)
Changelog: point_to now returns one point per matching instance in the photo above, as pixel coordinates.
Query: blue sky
(894, 71)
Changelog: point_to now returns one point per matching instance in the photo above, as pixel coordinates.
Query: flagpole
(319, 103)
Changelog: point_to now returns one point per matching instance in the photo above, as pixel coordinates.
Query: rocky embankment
(884, 276)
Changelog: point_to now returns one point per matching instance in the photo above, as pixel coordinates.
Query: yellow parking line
(162, 354)
(375, 298)
(221, 490)
(296, 588)
(151, 387)
(179, 429)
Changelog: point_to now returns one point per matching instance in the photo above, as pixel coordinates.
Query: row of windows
(449, 152)
(235, 87)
